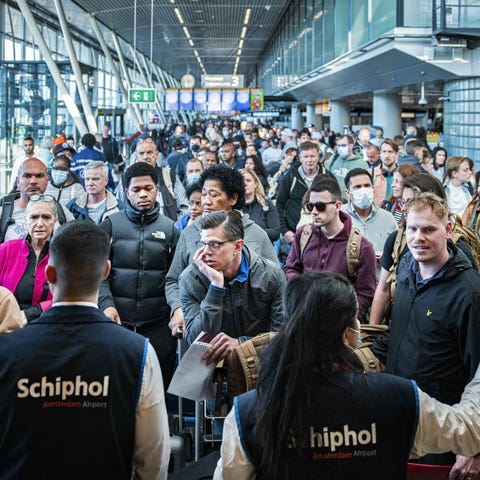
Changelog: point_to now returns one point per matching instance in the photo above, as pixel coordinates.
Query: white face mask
(343, 151)
(363, 197)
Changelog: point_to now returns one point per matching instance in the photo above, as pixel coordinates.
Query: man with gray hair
(229, 291)
(97, 203)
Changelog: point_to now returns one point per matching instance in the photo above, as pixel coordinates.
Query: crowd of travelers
(237, 229)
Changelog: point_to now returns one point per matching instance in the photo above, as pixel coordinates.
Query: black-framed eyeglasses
(320, 206)
(213, 246)
(41, 197)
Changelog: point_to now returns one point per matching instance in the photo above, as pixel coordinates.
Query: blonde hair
(259, 190)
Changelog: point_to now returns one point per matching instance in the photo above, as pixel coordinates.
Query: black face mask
(195, 148)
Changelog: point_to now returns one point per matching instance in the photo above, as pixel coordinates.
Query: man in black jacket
(143, 244)
(294, 186)
(435, 327)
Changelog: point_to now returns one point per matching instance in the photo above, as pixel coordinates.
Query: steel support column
(52, 67)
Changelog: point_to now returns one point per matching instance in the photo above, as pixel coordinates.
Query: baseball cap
(275, 140)
(64, 147)
(287, 132)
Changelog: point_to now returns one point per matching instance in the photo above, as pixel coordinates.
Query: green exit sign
(142, 95)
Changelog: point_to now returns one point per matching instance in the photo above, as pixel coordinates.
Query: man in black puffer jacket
(143, 244)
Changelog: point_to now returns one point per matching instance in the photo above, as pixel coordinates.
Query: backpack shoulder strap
(353, 252)
(169, 179)
(8, 204)
(398, 246)
(60, 213)
(305, 238)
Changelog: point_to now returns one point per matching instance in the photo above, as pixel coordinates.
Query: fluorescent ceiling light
(179, 15)
(247, 16)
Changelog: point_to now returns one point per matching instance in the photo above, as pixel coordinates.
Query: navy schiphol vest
(69, 387)
(363, 427)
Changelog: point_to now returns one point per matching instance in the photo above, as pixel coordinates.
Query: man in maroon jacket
(327, 244)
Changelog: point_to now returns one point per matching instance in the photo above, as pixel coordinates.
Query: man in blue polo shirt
(229, 291)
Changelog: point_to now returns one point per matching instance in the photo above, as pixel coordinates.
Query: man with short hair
(388, 155)
(288, 139)
(411, 147)
(272, 156)
(229, 291)
(109, 146)
(28, 152)
(229, 157)
(32, 179)
(434, 334)
(97, 203)
(327, 245)
(143, 244)
(375, 223)
(294, 185)
(171, 195)
(86, 155)
(85, 395)
(211, 159)
(345, 160)
(222, 189)
(193, 170)
(363, 141)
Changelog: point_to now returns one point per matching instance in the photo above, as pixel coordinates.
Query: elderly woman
(261, 210)
(23, 261)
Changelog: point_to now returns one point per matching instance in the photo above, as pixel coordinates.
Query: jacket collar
(142, 217)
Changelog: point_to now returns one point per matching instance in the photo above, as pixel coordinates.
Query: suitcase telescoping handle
(179, 333)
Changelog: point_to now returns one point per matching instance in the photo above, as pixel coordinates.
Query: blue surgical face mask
(343, 151)
(59, 176)
(192, 179)
(363, 197)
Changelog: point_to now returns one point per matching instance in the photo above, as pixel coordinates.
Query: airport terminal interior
(67, 66)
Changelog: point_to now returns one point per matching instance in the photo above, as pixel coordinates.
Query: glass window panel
(384, 16)
(14, 22)
(341, 26)
(8, 49)
(309, 36)
(329, 29)
(359, 23)
(318, 34)
(418, 13)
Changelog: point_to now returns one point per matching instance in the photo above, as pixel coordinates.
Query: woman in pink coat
(23, 261)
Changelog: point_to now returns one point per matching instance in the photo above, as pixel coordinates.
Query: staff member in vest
(143, 244)
(316, 415)
(23, 261)
(86, 399)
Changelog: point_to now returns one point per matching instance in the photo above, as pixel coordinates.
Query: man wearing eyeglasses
(32, 179)
(326, 248)
(229, 291)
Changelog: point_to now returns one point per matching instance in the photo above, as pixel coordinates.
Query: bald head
(32, 178)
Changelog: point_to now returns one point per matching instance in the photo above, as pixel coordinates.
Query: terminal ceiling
(215, 28)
